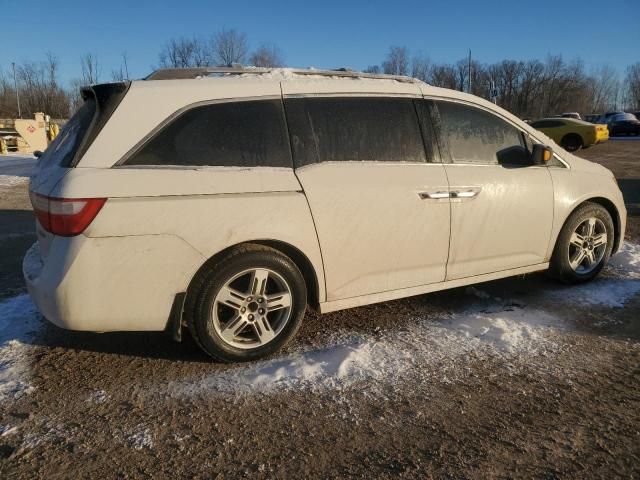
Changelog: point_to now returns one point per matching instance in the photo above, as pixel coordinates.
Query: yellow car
(572, 134)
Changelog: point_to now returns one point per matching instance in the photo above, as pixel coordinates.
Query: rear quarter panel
(209, 208)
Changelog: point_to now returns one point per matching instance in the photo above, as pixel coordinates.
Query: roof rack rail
(191, 73)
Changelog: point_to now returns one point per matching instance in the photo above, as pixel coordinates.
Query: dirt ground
(517, 378)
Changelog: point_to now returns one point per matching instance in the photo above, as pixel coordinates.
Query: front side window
(476, 136)
(354, 129)
(235, 134)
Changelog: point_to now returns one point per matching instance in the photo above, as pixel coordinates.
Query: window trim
(425, 111)
(445, 155)
(149, 136)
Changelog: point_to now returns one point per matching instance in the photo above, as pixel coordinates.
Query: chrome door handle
(466, 193)
(433, 195)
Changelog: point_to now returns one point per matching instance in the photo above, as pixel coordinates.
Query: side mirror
(541, 154)
(38, 153)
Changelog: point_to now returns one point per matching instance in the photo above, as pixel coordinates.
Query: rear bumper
(110, 284)
(602, 137)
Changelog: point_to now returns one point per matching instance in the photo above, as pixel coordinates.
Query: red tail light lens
(66, 217)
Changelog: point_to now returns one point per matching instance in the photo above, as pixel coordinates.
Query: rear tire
(584, 244)
(571, 142)
(248, 304)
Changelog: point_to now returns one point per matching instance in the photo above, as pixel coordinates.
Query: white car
(227, 200)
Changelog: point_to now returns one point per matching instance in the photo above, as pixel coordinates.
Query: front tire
(248, 304)
(571, 142)
(584, 244)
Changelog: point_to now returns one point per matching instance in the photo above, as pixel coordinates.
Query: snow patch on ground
(19, 323)
(15, 169)
(515, 331)
(618, 282)
(434, 348)
(98, 397)
(7, 181)
(139, 438)
(6, 430)
(625, 263)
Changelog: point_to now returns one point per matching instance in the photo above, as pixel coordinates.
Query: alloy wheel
(252, 308)
(587, 245)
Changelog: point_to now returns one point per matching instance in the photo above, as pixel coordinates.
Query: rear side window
(473, 135)
(234, 134)
(547, 124)
(354, 129)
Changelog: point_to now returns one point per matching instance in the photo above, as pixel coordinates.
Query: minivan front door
(379, 205)
(501, 205)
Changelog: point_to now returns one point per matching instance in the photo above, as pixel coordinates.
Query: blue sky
(323, 33)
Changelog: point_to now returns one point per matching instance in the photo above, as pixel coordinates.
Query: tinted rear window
(63, 149)
(80, 131)
(241, 134)
(547, 124)
(354, 129)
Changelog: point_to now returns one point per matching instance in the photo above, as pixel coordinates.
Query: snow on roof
(275, 74)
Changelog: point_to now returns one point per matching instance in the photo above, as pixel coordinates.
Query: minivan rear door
(378, 199)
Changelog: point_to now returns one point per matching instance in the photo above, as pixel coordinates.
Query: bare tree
(603, 88)
(397, 62)
(90, 68)
(118, 75)
(229, 46)
(122, 72)
(185, 53)
(421, 68)
(74, 95)
(8, 105)
(373, 69)
(632, 84)
(125, 64)
(38, 87)
(443, 76)
(178, 53)
(267, 55)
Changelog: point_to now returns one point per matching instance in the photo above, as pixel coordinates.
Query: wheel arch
(615, 216)
(610, 207)
(295, 254)
(574, 135)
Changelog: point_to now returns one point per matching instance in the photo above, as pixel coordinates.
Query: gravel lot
(514, 378)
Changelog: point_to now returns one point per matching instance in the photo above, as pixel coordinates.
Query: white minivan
(226, 200)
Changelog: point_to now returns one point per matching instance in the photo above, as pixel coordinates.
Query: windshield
(624, 116)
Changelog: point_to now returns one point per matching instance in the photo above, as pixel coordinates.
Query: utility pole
(469, 70)
(15, 84)
(126, 67)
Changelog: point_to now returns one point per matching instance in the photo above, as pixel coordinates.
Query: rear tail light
(65, 216)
